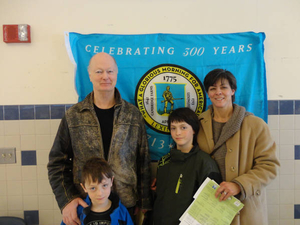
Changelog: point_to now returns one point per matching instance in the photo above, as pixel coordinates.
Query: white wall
(41, 72)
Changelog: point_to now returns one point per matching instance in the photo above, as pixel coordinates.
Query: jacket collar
(88, 102)
(230, 128)
(178, 156)
(205, 119)
(113, 197)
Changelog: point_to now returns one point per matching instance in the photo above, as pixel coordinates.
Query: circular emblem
(164, 88)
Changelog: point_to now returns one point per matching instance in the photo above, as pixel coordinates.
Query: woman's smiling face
(221, 94)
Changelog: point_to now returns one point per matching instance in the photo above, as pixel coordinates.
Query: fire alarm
(16, 33)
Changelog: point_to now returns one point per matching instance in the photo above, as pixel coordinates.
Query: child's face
(182, 133)
(98, 191)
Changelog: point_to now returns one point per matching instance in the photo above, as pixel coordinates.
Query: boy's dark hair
(213, 76)
(185, 115)
(95, 169)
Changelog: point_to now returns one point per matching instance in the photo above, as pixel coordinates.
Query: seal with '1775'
(164, 88)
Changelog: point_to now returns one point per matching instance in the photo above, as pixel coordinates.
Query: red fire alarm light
(16, 33)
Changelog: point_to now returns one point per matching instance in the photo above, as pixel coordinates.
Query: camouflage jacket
(79, 138)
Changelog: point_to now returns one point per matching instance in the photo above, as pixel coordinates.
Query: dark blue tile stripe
(30, 112)
(286, 107)
(57, 111)
(297, 152)
(27, 112)
(1, 112)
(40, 112)
(11, 112)
(297, 107)
(28, 158)
(31, 217)
(297, 211)
(273, 107)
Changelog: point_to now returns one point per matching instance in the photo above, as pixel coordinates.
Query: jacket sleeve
(265, 163)
(144, 171)
(210, 169)
(60, 167)
(128, 218)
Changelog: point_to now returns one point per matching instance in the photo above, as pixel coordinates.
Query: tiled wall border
(283, 107)
(44, 112)
(32, 112)
(38, 112)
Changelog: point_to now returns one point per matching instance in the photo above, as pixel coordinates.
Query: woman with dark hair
(181, 172)
(242, 146)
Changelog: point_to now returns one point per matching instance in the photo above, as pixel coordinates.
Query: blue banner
(161, 72)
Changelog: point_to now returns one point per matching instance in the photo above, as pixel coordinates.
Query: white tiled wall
(283, 192)
(27, 187)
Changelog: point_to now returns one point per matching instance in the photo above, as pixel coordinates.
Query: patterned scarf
(228, 130)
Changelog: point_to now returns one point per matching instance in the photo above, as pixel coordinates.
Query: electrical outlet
(7, 155)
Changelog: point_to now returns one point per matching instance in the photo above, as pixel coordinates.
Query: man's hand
(138, 209)
(226, 190)
(153, 185)
(70, 212)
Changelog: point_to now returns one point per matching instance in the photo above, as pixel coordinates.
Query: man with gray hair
(107, 126)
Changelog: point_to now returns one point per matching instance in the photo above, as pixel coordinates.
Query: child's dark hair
(95, 169)
(185, 115)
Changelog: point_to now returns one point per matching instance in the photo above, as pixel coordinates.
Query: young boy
(104, 208)
(181, 172)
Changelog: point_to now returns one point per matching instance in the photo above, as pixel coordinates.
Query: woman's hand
(226, 190)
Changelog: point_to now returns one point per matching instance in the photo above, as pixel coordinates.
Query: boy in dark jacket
(181, 172)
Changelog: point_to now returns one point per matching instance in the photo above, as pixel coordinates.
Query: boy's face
(98, 191)
(183, 134)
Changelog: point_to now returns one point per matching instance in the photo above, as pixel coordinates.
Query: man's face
(103, 73)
